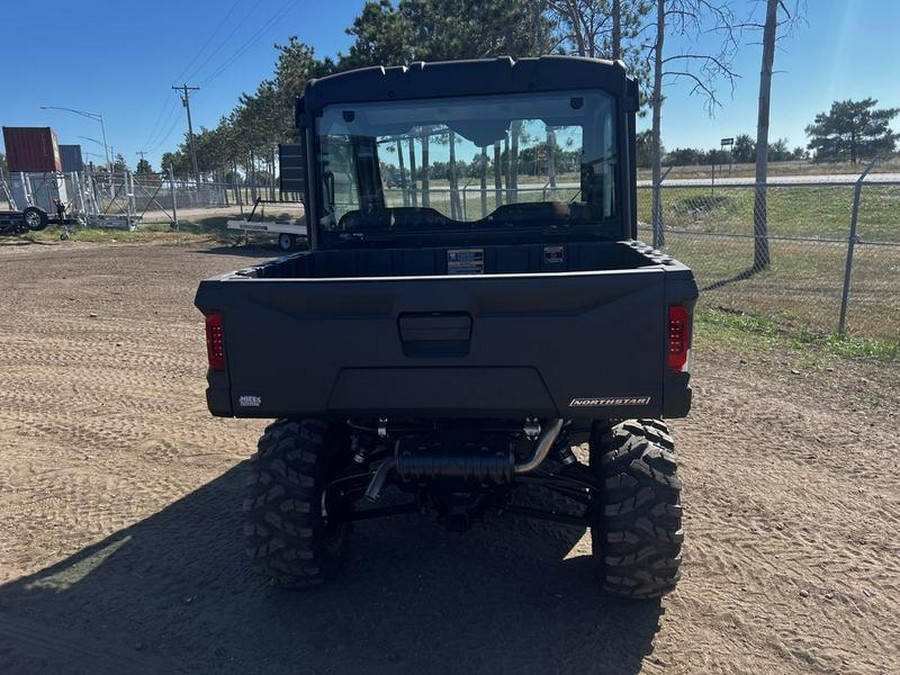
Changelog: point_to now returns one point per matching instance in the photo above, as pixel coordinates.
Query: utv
(453, 339)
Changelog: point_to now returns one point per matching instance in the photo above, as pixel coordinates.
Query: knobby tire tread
(636, 533)
(284, 529)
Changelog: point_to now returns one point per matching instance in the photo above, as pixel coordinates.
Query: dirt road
(120, 534)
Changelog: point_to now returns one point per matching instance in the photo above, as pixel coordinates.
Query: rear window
(463, 160)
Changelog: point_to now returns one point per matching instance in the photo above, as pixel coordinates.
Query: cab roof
(496, 76)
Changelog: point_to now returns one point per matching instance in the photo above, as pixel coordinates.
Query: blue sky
(121, 60)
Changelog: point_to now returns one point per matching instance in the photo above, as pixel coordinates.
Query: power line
(167, 111)
(160, 139)
(250, 41)
(167, 107)
(165, 137)
(279, 14)
(208, 41)
(171, 114)
(224, 41)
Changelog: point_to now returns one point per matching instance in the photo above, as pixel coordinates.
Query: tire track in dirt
(787, 512)
(119, 501)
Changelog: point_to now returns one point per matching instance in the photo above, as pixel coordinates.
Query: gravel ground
(120, 533)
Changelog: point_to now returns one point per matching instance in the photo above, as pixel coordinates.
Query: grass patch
(718, 329)
(154, 233)
(814, 211)
(699, 203)
(859, 347)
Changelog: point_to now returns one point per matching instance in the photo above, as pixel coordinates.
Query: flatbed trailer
(32, 219)
(286, 231)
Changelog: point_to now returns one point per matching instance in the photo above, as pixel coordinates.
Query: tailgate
(583, 344)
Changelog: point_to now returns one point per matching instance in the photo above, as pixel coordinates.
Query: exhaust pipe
(376, 485)
(545, 442)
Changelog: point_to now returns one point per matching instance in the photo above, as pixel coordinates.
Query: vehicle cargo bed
(390, 332)
(509, 259)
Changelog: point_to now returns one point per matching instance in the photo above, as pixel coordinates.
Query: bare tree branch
(699, 85)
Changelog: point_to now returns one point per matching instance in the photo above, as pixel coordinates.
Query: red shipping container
(31, 149)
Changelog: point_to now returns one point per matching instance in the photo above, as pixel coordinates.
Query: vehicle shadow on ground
(27, 242)
(174, 593)
(251, 250)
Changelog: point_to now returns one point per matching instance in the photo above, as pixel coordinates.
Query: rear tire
(36, 219)
(636, 522)
(288, 538)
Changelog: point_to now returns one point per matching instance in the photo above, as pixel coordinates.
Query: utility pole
(186, 102)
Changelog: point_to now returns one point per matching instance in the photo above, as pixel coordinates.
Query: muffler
(474, 459)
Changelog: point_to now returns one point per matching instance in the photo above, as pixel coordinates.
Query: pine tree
(853, 130)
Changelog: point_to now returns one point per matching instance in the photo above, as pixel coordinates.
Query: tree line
(243, 144)
(742, 152)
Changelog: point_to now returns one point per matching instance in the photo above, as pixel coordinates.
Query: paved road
(816, 179)
(837, 179)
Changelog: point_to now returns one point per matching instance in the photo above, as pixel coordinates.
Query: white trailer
(286, 231)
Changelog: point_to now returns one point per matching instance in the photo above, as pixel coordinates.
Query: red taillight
(679, 337)
(215, 341)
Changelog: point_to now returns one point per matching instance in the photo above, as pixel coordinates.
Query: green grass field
(816, 211)
(809, 229)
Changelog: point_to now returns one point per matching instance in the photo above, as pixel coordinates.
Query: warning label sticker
(465, 261)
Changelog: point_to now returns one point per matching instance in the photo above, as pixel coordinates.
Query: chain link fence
(157, 200)
(804, 288)
(130, 198)
(823, 275)
(810, 278)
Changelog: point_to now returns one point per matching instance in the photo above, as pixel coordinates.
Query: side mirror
(292, 169)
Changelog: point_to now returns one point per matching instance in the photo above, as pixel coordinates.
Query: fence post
(95, 198)
(174, 198)
(851, 245)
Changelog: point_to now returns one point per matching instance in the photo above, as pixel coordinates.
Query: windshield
(542, 159)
